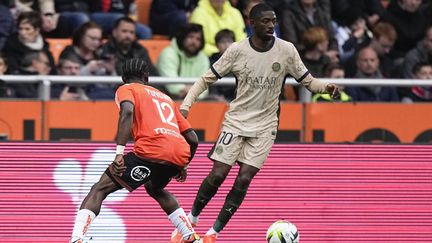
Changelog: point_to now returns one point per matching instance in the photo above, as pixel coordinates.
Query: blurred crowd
(367, 39)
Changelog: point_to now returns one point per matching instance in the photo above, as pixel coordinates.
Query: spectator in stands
(85, 43)
(421, 53)
(352, 34)
(110, 11)
(315, 41)
(33, 63)
(368, 68)
(123, 45)
(333, 71)
(167, 16)
(421, 70)
(45, 8)
(28, 39)
(183, 58)
(6, 21)
(384, 37)
(223, 39)
(370, 10)
(70, 66)
(410, 21)
(75, 13)
(215, 15)
(3, 64)
(300, 15)
(5, 90)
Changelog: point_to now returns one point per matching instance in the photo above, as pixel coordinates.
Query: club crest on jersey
(219, 149)
(139, 173)
(276, 66)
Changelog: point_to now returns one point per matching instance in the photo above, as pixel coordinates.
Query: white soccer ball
(282, 232)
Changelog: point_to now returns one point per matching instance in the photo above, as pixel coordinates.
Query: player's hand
(333, 90)
(118, 165)
(181, 176)
(185, 113)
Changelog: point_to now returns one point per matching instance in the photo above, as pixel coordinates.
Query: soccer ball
(282, 232)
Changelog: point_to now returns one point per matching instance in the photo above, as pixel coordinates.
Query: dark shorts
(139, 171)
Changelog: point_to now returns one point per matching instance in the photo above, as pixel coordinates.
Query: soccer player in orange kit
(164, 145)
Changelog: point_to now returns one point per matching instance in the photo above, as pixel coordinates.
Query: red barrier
(333, 193)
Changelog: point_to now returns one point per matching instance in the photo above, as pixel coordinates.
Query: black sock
(205, 193)
(232, 202)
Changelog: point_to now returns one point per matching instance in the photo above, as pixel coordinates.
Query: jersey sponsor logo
(166, 131)
(139, 173)
(276, 66)
(261, 82)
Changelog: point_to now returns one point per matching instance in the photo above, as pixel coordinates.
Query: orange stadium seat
(143, 10)
(143, 16)
(154, 47)
(57, 46)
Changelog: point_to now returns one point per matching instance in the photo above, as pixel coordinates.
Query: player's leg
(208, 188)
(91, 205)
(168, 202)
(251, 159)
(234, 198)
(206, 191)
(224, 154)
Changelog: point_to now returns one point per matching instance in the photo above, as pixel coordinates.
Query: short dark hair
(329, 68)
(419, 66)
(224, 34)
(70, 58)
(29, 57)
(256, 10)
(33, 18)
(2, 56)
(135, 69)
(82, 30)
(123, 19)
(186, 30)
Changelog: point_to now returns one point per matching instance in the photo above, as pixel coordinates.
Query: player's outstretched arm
(196, 90)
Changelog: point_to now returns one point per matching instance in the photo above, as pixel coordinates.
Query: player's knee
(216, 178)
(243, 181)
(100, 188)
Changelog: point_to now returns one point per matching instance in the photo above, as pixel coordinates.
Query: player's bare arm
(123, 132)
(192, 140)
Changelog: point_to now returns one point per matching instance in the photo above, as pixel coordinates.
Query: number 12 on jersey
(163, 106)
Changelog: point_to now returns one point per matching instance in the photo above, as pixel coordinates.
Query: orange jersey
(157, 124)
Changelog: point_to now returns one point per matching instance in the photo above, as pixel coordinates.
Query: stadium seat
(154, 47)
(57, 46)
(143, 11)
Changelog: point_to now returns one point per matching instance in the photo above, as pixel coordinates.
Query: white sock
(83, 220)
(193, 219)
(212, 232)
(179, 219)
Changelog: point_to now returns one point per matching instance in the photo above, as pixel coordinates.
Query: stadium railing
(45, 82)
